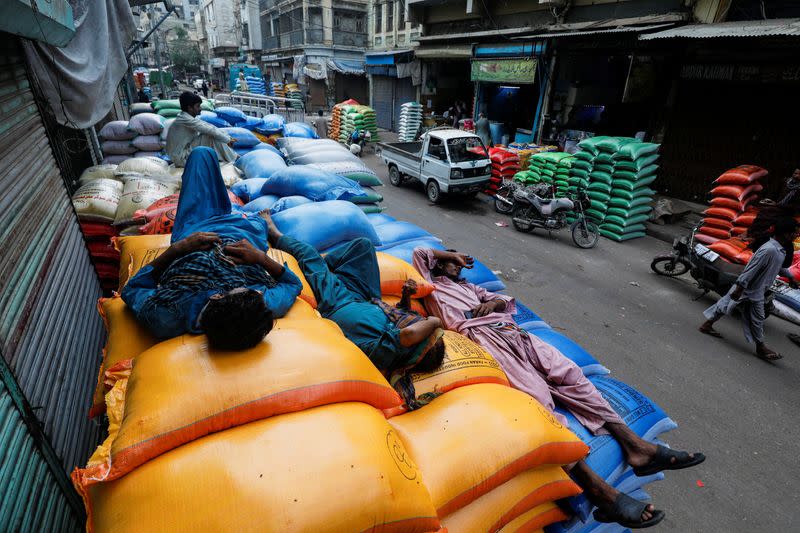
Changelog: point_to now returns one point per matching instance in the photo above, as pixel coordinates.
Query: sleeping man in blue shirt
(216, 277)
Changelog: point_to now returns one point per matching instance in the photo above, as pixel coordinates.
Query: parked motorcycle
(532, 209)
(504, 197)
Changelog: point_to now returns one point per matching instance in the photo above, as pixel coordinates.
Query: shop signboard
(216, 62)
(504, 70)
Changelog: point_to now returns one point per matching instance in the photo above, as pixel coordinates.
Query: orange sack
(328, 469)
(473, 439)
(721, 212)
(181, 390)
(741, 175)
(395, 272)
(536, 519)
(715, 232)
(717, 222)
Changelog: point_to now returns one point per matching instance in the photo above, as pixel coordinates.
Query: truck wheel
(433, 191)
(394, 176)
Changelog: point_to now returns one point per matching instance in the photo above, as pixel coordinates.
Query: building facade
(318, 44)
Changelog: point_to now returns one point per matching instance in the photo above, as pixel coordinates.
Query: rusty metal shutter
(404, 92)
(383, 100)
(50, 334)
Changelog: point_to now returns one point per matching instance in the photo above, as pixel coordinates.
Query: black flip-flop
(712, 332)
(627, 512)
(770, 356)
(662, 460)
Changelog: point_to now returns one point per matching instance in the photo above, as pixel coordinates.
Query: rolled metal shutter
(383, 101)
(403, 92)
(50, 333)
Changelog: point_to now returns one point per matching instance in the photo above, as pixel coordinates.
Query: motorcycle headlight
(456, 173)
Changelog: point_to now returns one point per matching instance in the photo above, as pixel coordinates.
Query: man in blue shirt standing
(216, 277)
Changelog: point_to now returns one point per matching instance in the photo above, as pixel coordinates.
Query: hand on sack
(244, 253)
(410, 287)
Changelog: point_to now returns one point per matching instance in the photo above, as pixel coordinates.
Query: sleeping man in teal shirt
(216, 277)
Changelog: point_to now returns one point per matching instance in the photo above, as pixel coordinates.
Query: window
(466, 149)
(360, 25)
(276, 26)
(378, 41)
(378, 18)
(401, 16)
(436, 149)
(337, 22)
(390, 17)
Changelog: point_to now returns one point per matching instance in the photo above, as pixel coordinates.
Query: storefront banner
(504, 70)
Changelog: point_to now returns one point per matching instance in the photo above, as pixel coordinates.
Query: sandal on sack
(627, 512)
(662, 460)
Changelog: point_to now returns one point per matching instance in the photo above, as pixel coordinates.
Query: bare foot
(273, 233)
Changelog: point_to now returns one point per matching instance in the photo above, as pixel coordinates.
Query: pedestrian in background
(750, 287)
(482, 129)
(204, 88)
(321, 124)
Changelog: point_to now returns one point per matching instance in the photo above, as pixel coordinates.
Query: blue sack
(213, 119)
(638, 411)
(376, 219)
(259, 204)
(316, 185)
(271, 124)
(405, 251)
(231, 115)
(483, 276)
(250, 123)
(527, 319)
(266, 146)
(249, 189)
(288, 202)
(260, 164)
(398, 232)
(242, 151)
(244, 138)
(572, 350)
(326, 224)
(299, 129)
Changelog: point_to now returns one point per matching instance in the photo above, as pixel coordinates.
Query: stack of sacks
(336, 122)
(735, 191)
(213, 119)
(294, 95)
(95, 202)
(276, 89)
(582, 166)
(548, 167)
(255, 85)
(733, 250)
(270, 129)
(743, 221)
(631, 196)
(300, 129)
(357, 117)
(505, 164)
(116, 142)
(410, 121)
(140, 107)
(231, 115)
(147, 142)
(256, 167)
(601, 174)
(561, 179)
(167, 108)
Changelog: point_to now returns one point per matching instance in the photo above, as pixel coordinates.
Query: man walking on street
(751, 285)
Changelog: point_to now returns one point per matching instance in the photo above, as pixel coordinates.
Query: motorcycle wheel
(585, 234)
(521, 212)
(500, 206)
(669, 266)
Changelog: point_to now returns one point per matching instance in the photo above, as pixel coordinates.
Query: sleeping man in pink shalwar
(549, 376)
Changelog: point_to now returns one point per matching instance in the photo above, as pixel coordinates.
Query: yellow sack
(536, 519)
(137, 251)
(126, 339)
(465, 363)
(325, 470)
(180, 390)
(395, 272)
(473, 439)
(513, 498)
(301, 310)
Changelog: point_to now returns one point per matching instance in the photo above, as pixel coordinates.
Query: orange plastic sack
(746, 219)
(729, 203)
(126, 339)
(161, 224)
(136, 252)
(705, 239)
(513, 498)
(536, 519)
(328, 469)
(721, 212)
(416, 305)
(715, 232)
(180, 390)
(285, 258)
(473, 439)
(716, 222)
(728, 248)
(737, 231)
(395, 272)
(738, 192)
(741, 175)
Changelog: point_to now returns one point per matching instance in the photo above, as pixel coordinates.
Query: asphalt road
(743, 413)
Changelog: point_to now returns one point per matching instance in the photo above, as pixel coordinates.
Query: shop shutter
(382, 100)
(403, 92)
(50, 333)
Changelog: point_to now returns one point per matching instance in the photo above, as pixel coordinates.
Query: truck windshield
(466, 149)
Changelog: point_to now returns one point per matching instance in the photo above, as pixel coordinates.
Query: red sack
(715, 232)
(738, 230)
(741, 175)
(745, 219)
(744, 256)
(737, 192)
(724, 201)
(94, 231)
(721, 223)
(721, 212)
(705, 239)
(161, 224)
(103, 251)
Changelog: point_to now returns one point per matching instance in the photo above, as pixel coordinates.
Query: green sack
(158, 105)
(595, 215)
(365, 179)
(632, 212)
(634, 166)
(608, 169)
(603, 159)
(580, 164)
(578, 182)
(168, 112)
(562, 183)
(624, 203)
(620, 238)
(600, 186)
(578, 173)
(583, 156)
(620, 230)
(598, 205)
(369, 198)
(635, 150)
(624, 222)
(630, 195)
(599, 197)
(631, 185)
(590, 144)
(547, 172)
(550, 166)
(597, 175)
(207, 105)
(613, 144)
(371, 208)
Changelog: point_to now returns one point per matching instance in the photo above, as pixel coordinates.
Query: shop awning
(457, 51)
(388, 57)
(749, 28)
(346, 66)
(596, 32)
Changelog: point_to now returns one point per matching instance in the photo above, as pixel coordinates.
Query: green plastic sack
(604, 159)
(169, 112)
(562, 172)
(599, 197)
(584, 156)
(369, 198)
(619, 230)
(625, 222)
(158, 105)
(645, 192)
(628, 185)
(633, 166)
(595, 215)
(635, 150)
(624, 203)
(608, 169)
(597, 175)
(646, 172)
(621, 238)
(613, 144)
(597, 205)
(207, 105)
(590, 144)
(580, 164)
(371, 208)
(634, 211)
(578, 173)
(578, 182)
(600, 186)
(547, 172)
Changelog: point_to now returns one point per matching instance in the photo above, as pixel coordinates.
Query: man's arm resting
(419, 331)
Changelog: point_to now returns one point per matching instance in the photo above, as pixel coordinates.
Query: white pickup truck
(446, 161)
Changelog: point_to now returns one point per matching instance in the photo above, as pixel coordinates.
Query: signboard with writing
(504, 70)
(216, 62)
